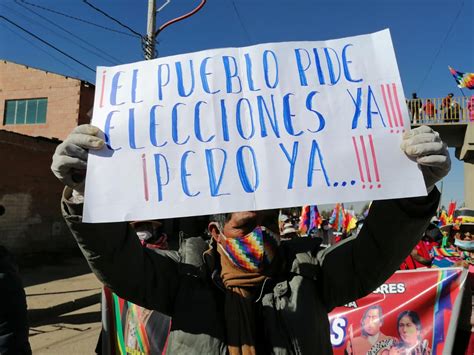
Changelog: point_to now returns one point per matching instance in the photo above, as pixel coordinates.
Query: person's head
(371, 321)
(409, 327)
(414, 95)
(288, 231)
(253, 233)
(428, 101)
(450, 95)
(282, 220)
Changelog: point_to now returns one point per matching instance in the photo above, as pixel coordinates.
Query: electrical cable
(180, 18)
(240, 20)
(41, 49)
(112, 18)
(98, 52)
(441, 46)
(47, 43)
(78, 19)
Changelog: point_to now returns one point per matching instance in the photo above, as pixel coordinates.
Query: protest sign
(267, 126)
(413, 310)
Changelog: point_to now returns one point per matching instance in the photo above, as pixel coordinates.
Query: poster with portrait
(412, 312)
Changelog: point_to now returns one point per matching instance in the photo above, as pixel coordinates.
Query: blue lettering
(197, 123)
(159, 182)
(332, 76)
(115, 87)
(153, 125)
(357, 109)
(184, 174)
(292, 161)
(345, 64)
(179, 73)
(319, 69)
(225, 125)
(371, 98)
(134, 87)
(131, 129)
(161, 83)
(266, 71)
(309, 106)
(301, 67)
(174, 124)
(315, 149)
(204, 75)
(214, 185)
(272, 118)
(288, 116)
(248, 64)
(244, 178)
(107, 129)
(231, 73)
(240, 129)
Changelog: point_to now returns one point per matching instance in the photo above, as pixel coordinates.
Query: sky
(428, 35)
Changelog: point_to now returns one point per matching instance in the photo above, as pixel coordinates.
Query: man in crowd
(227, 297)
(370, 323)
(415, 105)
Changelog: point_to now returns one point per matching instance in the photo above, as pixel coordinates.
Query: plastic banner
(413, 312)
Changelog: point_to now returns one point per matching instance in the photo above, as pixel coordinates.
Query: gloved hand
(424, 146)
(70, 158)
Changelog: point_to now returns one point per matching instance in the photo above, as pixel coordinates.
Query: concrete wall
(30, 218)
(68, 99)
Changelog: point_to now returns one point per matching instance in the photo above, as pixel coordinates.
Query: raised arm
(112, 250)
(358, 265)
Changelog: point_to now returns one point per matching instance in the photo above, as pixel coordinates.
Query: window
(30, 111)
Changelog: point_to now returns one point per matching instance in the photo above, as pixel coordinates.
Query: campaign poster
(413, 312)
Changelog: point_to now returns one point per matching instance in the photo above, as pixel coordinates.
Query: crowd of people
(449, 109)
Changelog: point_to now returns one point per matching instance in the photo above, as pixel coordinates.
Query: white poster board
(267, 126)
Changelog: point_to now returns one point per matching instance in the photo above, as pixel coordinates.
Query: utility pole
(149, 45)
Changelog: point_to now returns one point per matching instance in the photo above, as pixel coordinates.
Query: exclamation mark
(374, 159)
(145, 178)
(387, 108)
(392, 107)
(358, 161)
(366, 161)
(397, 104)
(102, 90)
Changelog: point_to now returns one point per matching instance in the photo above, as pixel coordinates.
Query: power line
(78, 19)
(112, 18)
(41, 49)
(47, 43)
(98, 52)
(441, 46)
(240, 21)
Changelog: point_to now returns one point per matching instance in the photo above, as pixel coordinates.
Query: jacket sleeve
(358, 265)
(119, 261)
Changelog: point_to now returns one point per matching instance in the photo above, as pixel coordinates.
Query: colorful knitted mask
(253, 251)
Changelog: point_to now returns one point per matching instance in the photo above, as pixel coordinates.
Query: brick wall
(69, 99)
(31, 222)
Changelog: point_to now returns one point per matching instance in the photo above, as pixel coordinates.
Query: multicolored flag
(443, 219)
(464, 80)
(451, 209)
(336, 221)
(315, 218)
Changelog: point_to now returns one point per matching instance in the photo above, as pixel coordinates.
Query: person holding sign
(244, 292)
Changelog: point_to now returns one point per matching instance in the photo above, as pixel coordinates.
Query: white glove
(424, 146)
(70, 158)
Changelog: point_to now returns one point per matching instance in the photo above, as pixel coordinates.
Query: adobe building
(39, 109)
(42, 104)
